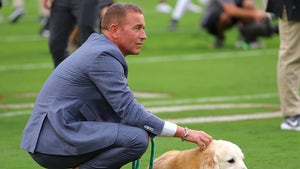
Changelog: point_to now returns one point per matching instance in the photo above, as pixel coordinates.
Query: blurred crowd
(72, 23)
(220, 15)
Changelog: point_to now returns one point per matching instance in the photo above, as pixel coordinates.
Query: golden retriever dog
(219, 154)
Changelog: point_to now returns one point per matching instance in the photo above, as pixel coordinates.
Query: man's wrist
(185, 134)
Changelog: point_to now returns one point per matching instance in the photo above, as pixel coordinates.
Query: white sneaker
(204, 2)
(163, 7)
(256, 45)
(16, 14)
(194, 8)
(291, 123)
(251, 45)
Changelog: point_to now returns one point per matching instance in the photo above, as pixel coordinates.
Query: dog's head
(225, 155)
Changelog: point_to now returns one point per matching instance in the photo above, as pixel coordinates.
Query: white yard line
(37, 66)
(178, 105)
(173, 109)
(150, 95)
(138, 94)
(207, 119)
(21, 38)
(15, 113)
(188, 105)
(156, 103)
(201, 56)
(17, 106)
(176, 102)
(157, 59)
(226, 118)
(168, 109)
(211, 99)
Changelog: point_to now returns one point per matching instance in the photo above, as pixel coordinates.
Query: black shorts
(211, 17)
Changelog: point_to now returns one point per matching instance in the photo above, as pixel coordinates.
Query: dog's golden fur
(218, 155)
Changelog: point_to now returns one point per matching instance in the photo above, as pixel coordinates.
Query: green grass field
(182, 65)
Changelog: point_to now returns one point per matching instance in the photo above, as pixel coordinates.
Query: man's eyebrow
(140, 25)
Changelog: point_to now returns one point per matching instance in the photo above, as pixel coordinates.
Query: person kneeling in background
(221, 15)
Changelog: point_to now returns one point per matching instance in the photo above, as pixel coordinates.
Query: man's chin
(136, 52)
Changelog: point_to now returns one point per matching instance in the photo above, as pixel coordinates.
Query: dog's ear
(216, 161)
(208, 161)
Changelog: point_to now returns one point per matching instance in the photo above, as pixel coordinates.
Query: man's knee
(141, 141)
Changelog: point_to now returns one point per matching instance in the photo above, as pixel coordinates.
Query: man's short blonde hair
(116, 14)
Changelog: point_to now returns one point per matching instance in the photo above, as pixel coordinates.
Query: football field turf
(178, 75)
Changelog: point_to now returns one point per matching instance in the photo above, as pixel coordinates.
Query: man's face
(132, 34)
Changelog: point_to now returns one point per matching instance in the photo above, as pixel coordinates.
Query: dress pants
(89, 18)
(63, 17)
(288, 72)
(131, 144)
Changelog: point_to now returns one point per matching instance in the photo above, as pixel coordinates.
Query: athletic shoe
(256, 45)
(250, 45)
(204, 2)
(172, 25)
(291, 123)
(16, 14)
(163, 7)
(194, 8)
(44, 31)
(219, 43)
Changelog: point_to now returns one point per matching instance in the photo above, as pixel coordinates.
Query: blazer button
(148, 128)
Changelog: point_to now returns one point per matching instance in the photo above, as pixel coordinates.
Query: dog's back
(187, 159)
(218, 153)
(166, 160)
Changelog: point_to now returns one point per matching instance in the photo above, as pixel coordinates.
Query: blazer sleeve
(108, 74)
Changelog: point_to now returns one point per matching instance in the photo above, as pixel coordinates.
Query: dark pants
(130, 145)
(253, 30)
(65, 14)
(63, 17)
(211, 18)
(89, 18)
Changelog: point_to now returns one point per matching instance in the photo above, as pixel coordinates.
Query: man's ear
(113, 29)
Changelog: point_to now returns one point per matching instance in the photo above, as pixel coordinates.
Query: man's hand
(201, 138)
(47, 4)
(259, 15)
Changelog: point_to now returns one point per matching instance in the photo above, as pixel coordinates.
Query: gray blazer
(84, 101)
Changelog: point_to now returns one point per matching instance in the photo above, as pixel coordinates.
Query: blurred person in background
(44, 15)
(90, 17)
(163, 6)
(180, 8)
(19, 11)
(221, 15)
(90, 24)
(64, 16)
(86, 116)
(288, 70)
